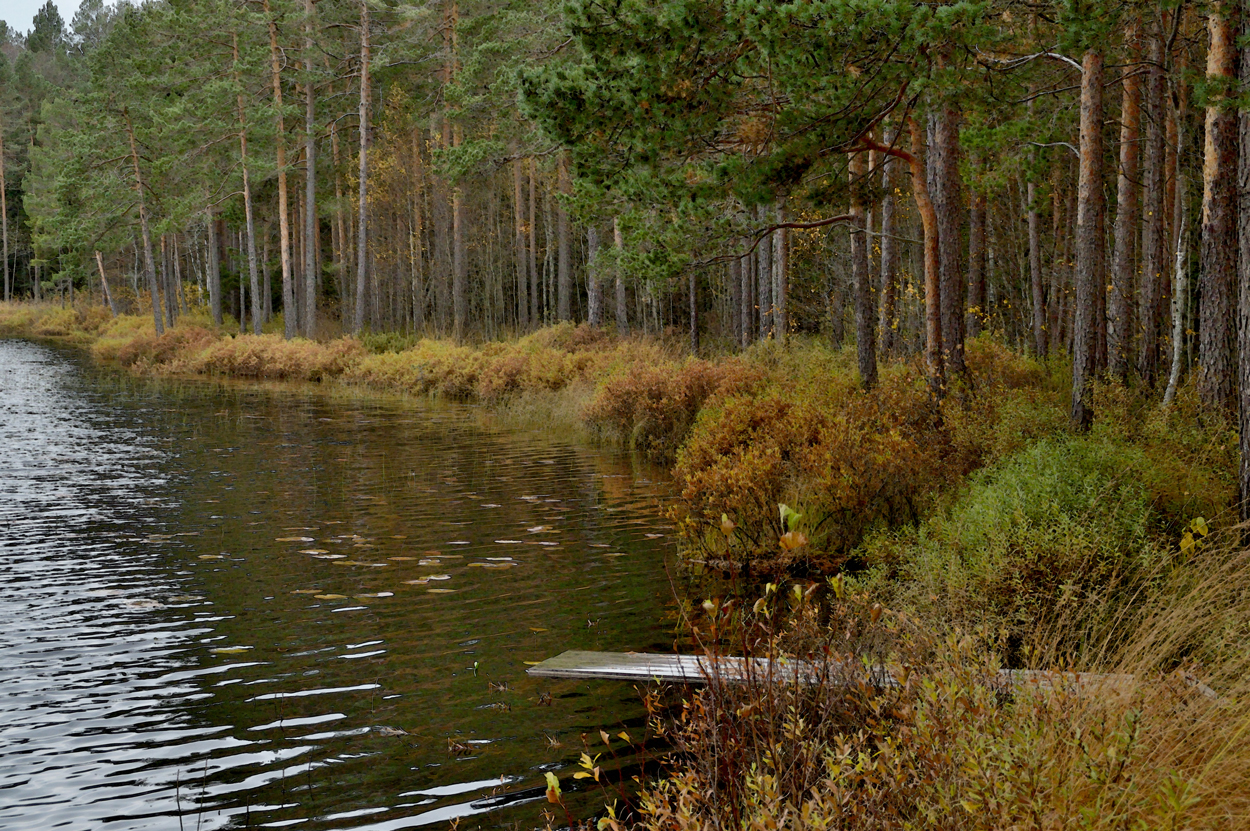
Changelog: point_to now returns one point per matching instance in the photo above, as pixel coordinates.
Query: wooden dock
(699, 669)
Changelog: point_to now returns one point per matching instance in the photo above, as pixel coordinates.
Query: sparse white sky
(20, 14)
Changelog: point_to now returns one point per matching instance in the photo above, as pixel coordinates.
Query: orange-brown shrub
(149, 351)
(269, 356)
(844, 458)
(652, 406)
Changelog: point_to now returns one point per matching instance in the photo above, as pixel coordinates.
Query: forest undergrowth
(907, 551)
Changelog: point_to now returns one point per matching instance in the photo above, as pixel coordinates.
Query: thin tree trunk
(1180, 296)
(764, 278)
(594, 285)
(944, 163)
(518, 244)
(1089, 241)
(564, 266)
(340, 228)
(734, 278)
(104, 283)
(748, 301)
(214, 270)
(887, 328)
(4, 217)
(535, 319)
(1218, 252)
(1153, 245)
(459, 263)
(284, 223)
(248, 212)
(976, 265)
(1123, 267)
(622, 307)
(934, 365)
(148, 265)
(781, 276)
(362, 222)
(865, 308)
(310, 183)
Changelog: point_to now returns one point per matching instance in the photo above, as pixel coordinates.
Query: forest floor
(851, 528)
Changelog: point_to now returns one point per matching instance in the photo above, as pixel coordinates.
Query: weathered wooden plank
(698, 669)
(643, 666)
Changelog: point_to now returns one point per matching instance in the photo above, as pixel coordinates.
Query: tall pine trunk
(310, 183)
(1153, 236)
(1123, 264)
(1089, 241)
(977, 317)
(1218, 253)
(254, 279)
(284, 221)
(1243, 291)
(944, 162)
(362, 209)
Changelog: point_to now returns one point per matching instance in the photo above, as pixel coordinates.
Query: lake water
(229, 607)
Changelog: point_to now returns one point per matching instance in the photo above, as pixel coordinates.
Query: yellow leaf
(1200, 527)
(581, 774)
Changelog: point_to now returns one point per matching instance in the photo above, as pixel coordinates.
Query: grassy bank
(852, 528)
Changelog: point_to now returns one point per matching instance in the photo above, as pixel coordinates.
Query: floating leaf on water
(328, 556)
(313, 551)
(307, 591)
(499, 565)
(599, 545)
(490, 505)
(439, 577)
(500, 559)
(294, 539)
(399, 536)
(532, 663)
(440, 591)
(653, 536)
(477, 565)
(509, 542)
(363, 545)
(429, 561)
(212, 556)
(374, 595)
(549, 544)
(459, 542)
(616, 554)
(537, 629)
(230, 650)
(452, 556)
(331, 597)
(401, 559)
(538, 529)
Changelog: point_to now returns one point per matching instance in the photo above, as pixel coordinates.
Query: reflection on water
(261, 608)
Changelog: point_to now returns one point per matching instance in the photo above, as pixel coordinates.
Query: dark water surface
(230, 607)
